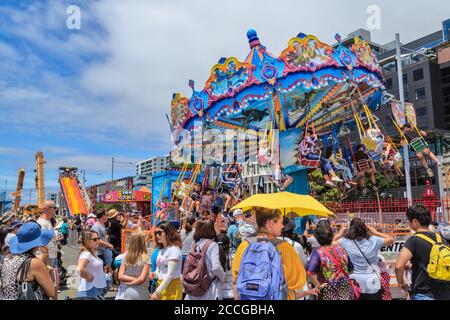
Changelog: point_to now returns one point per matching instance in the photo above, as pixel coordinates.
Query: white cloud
(151, 48)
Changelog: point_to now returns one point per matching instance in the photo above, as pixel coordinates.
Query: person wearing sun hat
(6, 220)
(115, 229)
(25, 249)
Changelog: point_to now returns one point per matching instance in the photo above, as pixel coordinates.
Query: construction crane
(40, 178)
(17, 195)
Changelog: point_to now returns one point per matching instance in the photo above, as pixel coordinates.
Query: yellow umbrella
(286, 202)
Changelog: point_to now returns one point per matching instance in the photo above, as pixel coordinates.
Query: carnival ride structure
(310, 82)
(75, 195)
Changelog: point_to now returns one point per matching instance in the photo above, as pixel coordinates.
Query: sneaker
(347, 185)
(337, 179)
(430, 173)
(330, 184)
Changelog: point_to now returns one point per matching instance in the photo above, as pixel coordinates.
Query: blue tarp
(5, 202)
(168, 178)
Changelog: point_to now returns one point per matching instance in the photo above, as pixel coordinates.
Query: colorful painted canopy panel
(309, 80)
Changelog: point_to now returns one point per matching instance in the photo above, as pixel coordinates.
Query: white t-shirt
(8, 238)
(94, 267)
(52, 247)
(162, 261)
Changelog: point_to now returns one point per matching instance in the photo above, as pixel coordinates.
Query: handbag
(353, 283)
(379, 276)
(26, 290)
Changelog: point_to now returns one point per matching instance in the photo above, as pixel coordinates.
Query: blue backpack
(261, 275)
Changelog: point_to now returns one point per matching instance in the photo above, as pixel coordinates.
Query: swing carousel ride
(310, 85)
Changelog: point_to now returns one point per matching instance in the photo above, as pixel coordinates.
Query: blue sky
(85, 96)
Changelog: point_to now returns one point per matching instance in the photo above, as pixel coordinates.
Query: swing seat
(369, 142)
(363, 166)
(226, 184)
(306, 162)
(183, 190)
(419, 144)
(309, 163)
(375, 156)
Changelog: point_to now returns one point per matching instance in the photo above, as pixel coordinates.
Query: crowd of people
(254, 255)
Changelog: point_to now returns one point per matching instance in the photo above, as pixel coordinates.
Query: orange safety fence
(387, 210)
(392, 230)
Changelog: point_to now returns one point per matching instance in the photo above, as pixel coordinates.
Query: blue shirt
(153, 268)
(366, 275)
(64, 228)
(154, 257)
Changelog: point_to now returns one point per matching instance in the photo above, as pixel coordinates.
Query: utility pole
(402, 101)
(112, 170)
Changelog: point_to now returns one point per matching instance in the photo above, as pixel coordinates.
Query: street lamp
(89, 174)
(112, 168)
(398, 48)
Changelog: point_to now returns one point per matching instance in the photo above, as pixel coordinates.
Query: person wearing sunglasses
(90, 267)
(45, 221)
(168, 263)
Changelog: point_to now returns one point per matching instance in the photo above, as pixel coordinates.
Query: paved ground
(70, 258)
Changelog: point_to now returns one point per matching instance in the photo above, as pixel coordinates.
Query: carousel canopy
(308, 80)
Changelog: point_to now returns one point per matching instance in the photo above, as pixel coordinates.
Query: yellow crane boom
(40, 178)
(17, 195)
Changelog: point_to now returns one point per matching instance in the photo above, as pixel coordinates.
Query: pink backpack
(196, 279)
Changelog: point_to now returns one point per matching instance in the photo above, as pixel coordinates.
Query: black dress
(115, 234)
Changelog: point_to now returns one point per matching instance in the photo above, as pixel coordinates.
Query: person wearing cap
(247, 228)
(444, 230)
(105, 248)
(91, 219)
(288, 235)
(12, 233)
(7, 218)
(133, 221)
(25, 248)
(233, 229)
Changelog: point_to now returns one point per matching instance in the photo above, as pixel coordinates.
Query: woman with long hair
(168, 262)
(329, 267)
(134, 270)
(363, 243)
(204, 242)
(90, 267)
(226, 260)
